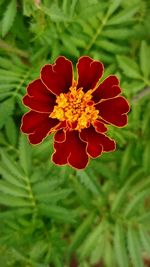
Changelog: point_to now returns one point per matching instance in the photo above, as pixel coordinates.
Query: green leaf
(13, 201)
(113, 6)
(13, 190)
(11, 166)
(146, 158)
(135, 202)
(70, 45)
(8, 17)
(134, 86)
(111, 47)
(120, 246)
(25, 154)
(126, 160)
(10, 177)
(144, 59)
(144, 218)
(38, 250)
(117, 34)
(134, 247)
(145, 239)
(55, 13)
(81, 233)
(123, 16)
(92, 239)
(108, 253)
(56, 212)
(129, 67)
(55, 196)
(88, 181)
(121, 195)
(11, 131)
(6, 111)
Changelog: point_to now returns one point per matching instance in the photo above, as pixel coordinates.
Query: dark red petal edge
(58, 77)
(89, 72)
(66, 158)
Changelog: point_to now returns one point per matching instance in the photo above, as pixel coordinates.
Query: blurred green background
(55, 216)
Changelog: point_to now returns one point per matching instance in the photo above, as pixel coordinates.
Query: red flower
(77, 111)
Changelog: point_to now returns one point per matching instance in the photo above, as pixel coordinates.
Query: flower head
(78, 112)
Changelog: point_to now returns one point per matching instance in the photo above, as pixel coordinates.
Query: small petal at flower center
(76, 108)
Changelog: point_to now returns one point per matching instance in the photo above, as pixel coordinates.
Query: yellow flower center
(76, 108)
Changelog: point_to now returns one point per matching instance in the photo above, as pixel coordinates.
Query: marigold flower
(78, 112)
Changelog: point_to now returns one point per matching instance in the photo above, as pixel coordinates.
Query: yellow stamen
(75, 106)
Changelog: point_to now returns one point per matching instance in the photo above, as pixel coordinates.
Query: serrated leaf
(6, 111)
(144, 59)
(11, 131)
(56, 212)
(108, 253)
(13, 201)
(10, 177)
(134, 247)
(145, 239)
(8, 17)
(111, 47)
(92, 239)
(91, 10)
(11, 166)
(117, 34)
(13, 190)
(135, 202)
(146, 158)
(25, 154)
(81, 233)
(88, 181)
(134, 86)
(113, 6)
(123, 16)
(38, 250)
(121, 195)
(120, 246)
(70, 45)
(129, 67)
(41, 186)
(54, 197)
(55, 13)
(144, 218)
(126, 160)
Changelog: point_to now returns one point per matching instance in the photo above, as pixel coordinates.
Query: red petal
(96, 142)
(109, 88)
(39, 98)
(59, 76)
(114, 111)
(37, 125)
(89, 72)
(71, 151)
(60, 136)
(99, 126)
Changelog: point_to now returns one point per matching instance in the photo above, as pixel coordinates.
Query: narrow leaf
(144, 59)
(129, 67)
(25, 154)
(8, 17)
(120, 246)
(11, 166)
(6, 111)
(81, 232)
(134, 247)
(11, 131)
(135, 202)
(123, 16)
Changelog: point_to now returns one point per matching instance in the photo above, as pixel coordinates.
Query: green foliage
(56, 216)
(8, 17)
